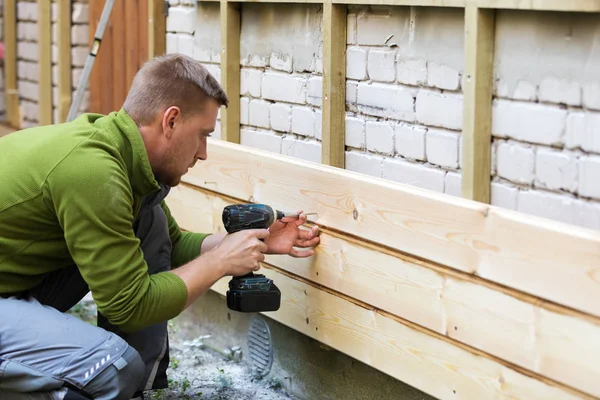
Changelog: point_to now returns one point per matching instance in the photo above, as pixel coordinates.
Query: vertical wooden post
(65, 86)
(478, 93)
(157, 28)
(230, 70)
(45, 61)
(334, 84)
(10, 63)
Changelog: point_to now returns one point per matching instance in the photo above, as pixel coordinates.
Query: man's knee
(120, 380)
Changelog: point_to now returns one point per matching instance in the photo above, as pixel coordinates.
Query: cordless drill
(252, 292)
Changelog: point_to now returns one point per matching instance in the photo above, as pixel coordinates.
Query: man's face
(186, 141)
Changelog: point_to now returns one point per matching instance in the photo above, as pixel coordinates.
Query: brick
(388, 101)
(591, 95)
(442, 76)
(381, 65)
(78, 55)
(412, 71)
(368, 164)
(414, 174)
(504, 195)
(443, 110)
(80, 13)
(27, 31)
(185, 45)
(535, 123)
(315, 91)
(259, 113)
(587, 214)
(281, 62)
(284, 87)
(559, 91)
(318, 124)
(172, 43)
(453, 184)
(355, 132)
(589, 171)
(201, 53)
(250, 82)
(356, 63)
(351, 95)
(546, 205)
(442, 148)
(28, 70)
(515, 162)
(306, 150)
(556, 170)
(173, 3)
(181, 19)
(29, 90)
(374, 27)
(351, 29)
(215, 71)
(27, 51)
(523, 90)
(410, 141)
(281, 117)
(217, 132)
(31, 110)
(583, 131)
(303, 121)
(244, 111)
(380, 137)
(27, 11)
(261, 140)
(255, 60)
(80, 35)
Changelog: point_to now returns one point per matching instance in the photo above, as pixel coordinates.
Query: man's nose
(201, 154)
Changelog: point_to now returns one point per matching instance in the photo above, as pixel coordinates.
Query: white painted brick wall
(591, 96)
(516, 162)
(583, 131)
(587, 214)
(414, 174)
(244, 111)
(27, 11)
(365, 163)
(284, 87)
(453, 184)
(442, 77)
(546, 205)
(79, 34)
(380, 137)
(318, 124)
(504, 195)
(356, 63)
(281, 117)
(250, 82)
(315, 91)
(185, 45)
(355, 132)
(554, 90)
(261, 140)
(589, 177)
(172, 43)
(388, 101)
(309, 150)
(27, 31)
(443, 110)
(535, 123)
(81, 14)
(303, 121)
(381, 65)
(412, 71)
(442, 148)
(259, 113)
(181, 19)
(410, 141)
(556, 170)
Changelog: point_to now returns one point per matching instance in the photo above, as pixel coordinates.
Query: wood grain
(486, 318)
(44, 42)
(230, 70)
(65, 85)
(548, 259)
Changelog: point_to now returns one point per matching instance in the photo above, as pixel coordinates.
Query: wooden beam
(478, 96)
(230, 70)
(157, 28)
(10, 63)
(554, 261)
(65, 85)
(45, 61)
(334, 84)
(504, 323)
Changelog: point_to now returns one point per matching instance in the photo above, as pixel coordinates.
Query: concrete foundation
(303, 366)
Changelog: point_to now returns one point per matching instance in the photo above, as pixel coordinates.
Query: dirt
(196, 372)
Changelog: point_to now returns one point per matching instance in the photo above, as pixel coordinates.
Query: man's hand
(286, 234)
(241, 252)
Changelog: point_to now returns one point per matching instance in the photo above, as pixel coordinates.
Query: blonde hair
(171, 80)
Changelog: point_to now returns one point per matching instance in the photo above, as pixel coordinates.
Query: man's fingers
(307, 243)
(259, 233)
(301, 253)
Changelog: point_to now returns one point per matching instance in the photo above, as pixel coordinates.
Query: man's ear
(171, 117)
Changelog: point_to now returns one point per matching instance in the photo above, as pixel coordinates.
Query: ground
(202, 374)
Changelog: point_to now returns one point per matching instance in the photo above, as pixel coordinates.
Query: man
(82, 210)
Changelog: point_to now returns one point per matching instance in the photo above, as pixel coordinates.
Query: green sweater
(69, 194)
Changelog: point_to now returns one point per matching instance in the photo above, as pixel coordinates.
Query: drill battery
(253, 293)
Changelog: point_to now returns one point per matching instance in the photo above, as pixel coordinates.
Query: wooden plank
(10, 63)
(65, 86)
(157, 28)
(503, 323)
(548, 259)
(132, 41)
(45, 61)
(230, 70)
(117, 52)
(478, 96)
(142, 34)
(334, 84)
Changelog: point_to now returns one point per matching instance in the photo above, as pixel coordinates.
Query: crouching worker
(82, 210)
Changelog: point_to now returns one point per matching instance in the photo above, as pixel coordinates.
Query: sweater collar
(141, 177)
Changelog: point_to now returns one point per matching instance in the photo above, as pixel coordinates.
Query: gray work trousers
(45, 352)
